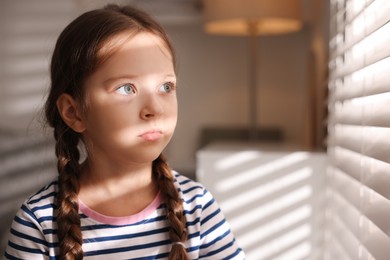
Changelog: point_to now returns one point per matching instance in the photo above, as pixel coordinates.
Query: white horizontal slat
(377, 14)
(349, 137)
(365, 40)
(358, 23)
(348, 113)
(347, 214)
(354, 59)
(368, 111)
(375, 240)
(366, 52)
(377, 176)
(376, 143)
(349, 246)
(374, 173)
(347, 186)
(340, 18)
(334, 250)
(377, 113)
(376, 44)
(377, 77)
(366, 242)
(367, 221)
(353, 28)
(376, 208)
(351, 86)
(368, 2)
(348, 161)
(346, 239)
(354, 8)
(370, 141)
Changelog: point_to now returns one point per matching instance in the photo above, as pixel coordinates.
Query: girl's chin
(148, 155)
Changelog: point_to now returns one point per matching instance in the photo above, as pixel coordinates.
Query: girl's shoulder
(185, 184)
(37, 211)
(192, 192)
(43, 197)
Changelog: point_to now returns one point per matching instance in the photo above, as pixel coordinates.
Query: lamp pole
(252, 70)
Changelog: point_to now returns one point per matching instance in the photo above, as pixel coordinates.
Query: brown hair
(75, 57)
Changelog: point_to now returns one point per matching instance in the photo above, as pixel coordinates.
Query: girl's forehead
(140, 55)
(134, 40)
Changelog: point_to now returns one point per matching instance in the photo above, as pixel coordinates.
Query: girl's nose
(152, 107)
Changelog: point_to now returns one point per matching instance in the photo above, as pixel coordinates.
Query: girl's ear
(70, 112)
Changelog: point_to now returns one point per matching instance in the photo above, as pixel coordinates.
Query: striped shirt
(140, 236)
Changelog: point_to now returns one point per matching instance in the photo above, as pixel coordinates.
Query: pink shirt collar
(127, 220)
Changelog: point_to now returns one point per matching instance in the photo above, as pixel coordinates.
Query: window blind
(358, 190)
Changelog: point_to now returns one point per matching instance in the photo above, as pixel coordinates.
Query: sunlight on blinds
(359, 131)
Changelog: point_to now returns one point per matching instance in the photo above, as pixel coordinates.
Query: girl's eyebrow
(132, 77)
(116, 78)
(169, 76)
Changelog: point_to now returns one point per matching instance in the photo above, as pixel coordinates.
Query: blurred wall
(213, 86)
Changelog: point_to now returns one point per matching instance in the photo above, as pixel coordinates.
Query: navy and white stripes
(33, 232)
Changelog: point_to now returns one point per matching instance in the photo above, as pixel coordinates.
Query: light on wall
(251, 18)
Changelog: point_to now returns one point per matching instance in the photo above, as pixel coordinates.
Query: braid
(174, 207)
(68, 220)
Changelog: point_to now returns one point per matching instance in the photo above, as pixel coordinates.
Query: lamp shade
(252, 17)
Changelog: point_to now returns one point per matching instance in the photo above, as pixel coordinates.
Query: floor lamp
(252, 18)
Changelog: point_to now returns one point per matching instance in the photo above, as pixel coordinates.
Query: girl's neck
(112, 177)
(130, 188)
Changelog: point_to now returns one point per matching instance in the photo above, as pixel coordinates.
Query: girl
(113, 89)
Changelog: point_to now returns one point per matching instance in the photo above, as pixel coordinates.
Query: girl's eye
(167, 87)
(126, 89)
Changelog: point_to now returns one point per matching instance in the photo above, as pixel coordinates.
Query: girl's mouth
(152, 135)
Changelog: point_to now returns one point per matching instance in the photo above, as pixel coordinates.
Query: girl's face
(131, 101)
